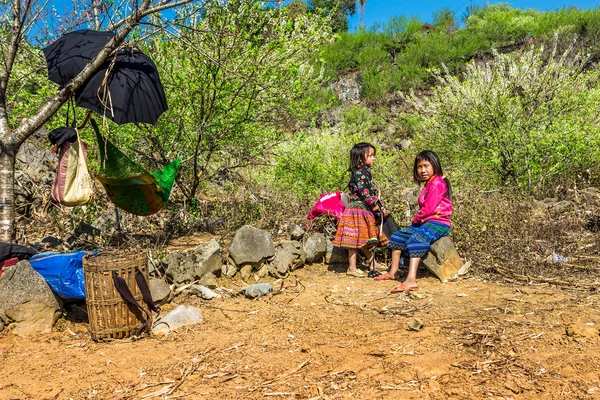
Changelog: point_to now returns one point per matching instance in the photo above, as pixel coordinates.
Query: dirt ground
(329, 336)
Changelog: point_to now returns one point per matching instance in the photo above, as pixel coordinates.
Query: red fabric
(328, 203)
(8, 263)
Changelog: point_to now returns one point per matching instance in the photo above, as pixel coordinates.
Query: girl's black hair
(357, 155)
(429, 155)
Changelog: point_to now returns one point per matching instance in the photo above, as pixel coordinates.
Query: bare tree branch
(165, 5)
(52, 105)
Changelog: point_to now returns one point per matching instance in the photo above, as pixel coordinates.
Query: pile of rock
(254, 255)
(27, 301)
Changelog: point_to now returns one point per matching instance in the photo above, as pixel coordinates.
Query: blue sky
(379, 11)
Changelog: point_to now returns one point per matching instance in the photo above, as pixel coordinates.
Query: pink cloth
(434, 203)
(328, 203)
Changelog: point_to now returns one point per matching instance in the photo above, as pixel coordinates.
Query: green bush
(309, 165)
(315, 163)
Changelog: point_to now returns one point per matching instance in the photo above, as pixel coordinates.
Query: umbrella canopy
(125, 89)
(61, 135)
(67, 56)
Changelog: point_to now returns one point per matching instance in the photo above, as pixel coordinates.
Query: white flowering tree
(518, 120)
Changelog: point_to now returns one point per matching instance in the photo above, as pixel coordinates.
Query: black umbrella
(125, 89)
(67, 56)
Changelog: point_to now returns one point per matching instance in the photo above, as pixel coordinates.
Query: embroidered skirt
(416, 240)
(356, 229)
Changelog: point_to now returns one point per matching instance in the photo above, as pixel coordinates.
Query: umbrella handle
(85, 120)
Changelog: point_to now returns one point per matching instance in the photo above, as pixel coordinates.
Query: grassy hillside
(401, 53)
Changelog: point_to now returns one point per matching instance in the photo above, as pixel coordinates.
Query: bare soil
(329, 336)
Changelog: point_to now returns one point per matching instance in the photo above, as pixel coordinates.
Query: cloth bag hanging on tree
(73, 185)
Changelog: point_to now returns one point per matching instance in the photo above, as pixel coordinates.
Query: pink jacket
(434, 203)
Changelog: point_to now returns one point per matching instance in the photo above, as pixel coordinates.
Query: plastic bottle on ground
(182, 315)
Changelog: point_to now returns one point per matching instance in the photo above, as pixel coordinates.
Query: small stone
(26, 299)
(251, 246)
(410, 195)
(414, 324)
(257, 290)
(581, 331)
(263, 272)
(561, 206)
(296, 232)
(404, 144)
(209, 280)
(159, 290)
(246, 272)
(204, 292)
(591, 195)
(228, 270)
(336, 255)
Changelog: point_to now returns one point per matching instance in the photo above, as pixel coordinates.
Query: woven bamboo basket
(110, 316)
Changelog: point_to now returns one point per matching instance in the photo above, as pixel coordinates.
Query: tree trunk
(7, 192)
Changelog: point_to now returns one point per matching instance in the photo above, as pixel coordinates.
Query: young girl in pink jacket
(429, 224)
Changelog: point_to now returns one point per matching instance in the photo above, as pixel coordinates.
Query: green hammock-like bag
(129, 186)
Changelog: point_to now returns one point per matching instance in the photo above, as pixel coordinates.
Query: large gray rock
(315, 247)
(591, 195)
(160, 291)
(251, 246)
(561, 206)
(347, 88)
(189, 265)
(26, 298)
(335, 255)
(443, 260)
(36, 162)
(289, 255)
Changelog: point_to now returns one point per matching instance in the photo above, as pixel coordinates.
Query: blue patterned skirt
(416, 240)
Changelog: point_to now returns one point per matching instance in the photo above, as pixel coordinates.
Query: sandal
(384, 277)
(403, 288)
(374, 274)
(357, 274)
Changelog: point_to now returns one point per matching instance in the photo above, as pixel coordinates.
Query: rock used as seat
(443, 260)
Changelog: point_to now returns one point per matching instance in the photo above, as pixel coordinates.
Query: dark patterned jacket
(362, 191)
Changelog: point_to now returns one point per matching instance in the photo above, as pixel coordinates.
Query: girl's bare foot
(403, 287)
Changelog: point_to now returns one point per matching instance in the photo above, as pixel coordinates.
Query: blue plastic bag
(63, 272)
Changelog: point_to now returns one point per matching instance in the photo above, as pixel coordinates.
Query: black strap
(124, 291)
(372, 260)
(146, 295)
